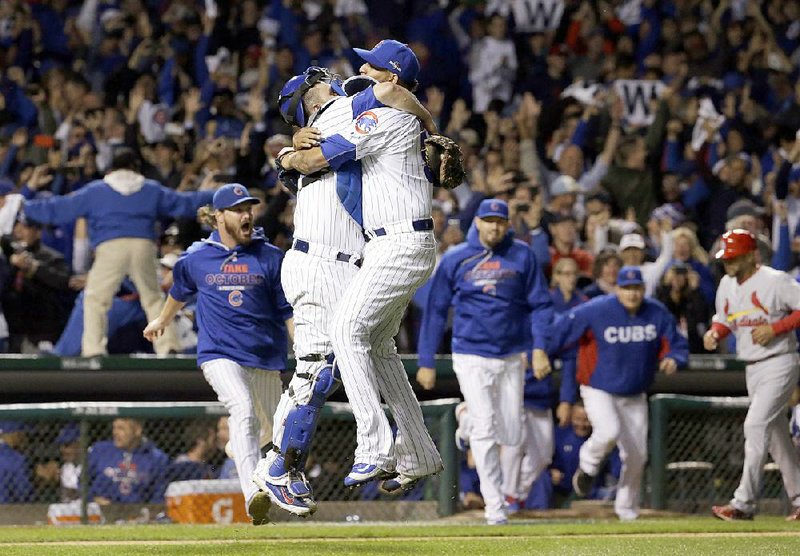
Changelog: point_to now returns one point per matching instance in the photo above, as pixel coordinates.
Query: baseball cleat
(288, 491)
(284, 499)
(582, 483)
(365, 472)
(514, 505)
(729, 513)
(500, 521)
(258, 509)
(795, 515)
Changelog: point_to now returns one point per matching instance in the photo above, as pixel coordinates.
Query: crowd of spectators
(595, 119)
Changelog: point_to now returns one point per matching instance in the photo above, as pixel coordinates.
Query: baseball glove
(444, 161)
(290, 179)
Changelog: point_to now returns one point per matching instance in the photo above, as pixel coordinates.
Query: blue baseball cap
(68, 434)
(630, 276)
(393, 56)
(232, 194)
(493, 207)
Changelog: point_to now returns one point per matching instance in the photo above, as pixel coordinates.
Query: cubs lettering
(628, 334)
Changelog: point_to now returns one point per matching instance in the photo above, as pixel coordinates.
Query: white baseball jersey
(389, 144)
(319, 216)
(395, 192)
(765, 298)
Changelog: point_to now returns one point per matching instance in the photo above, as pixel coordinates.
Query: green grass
(661, 537)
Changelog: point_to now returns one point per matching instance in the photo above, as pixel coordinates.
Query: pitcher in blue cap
(244, 322)
(390, 60)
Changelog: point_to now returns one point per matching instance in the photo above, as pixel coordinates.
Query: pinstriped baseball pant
(250, 396)
(364, 325)
(313, 286)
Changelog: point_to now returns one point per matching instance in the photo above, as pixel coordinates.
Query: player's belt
(422, 225)
(323, 251)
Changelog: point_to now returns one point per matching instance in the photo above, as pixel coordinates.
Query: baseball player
(325, 256)
(523, 463)
(623, 338)
(502, 306)
(761, 307)
(398, 258)
(243, 320)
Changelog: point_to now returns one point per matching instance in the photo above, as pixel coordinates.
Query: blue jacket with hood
(122, 204)
(500, 297)
(241, 308)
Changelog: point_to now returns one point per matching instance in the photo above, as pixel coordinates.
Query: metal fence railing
(46, 443)
(697, 451)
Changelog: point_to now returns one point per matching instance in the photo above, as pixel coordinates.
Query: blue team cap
(232, 194)
(290, 99)
(493, 207)
(68, 434)
(630, 276)
(7, 427)
(394, 56)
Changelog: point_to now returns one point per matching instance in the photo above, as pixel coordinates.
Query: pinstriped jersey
(389, 145)
(319, 216)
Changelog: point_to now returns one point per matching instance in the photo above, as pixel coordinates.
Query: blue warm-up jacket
(241, 308)
(618, 352)
(500, 297)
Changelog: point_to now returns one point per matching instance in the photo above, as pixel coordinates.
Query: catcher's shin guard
(301, 422)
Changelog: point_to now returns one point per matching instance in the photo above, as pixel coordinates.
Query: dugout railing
(165, 423)
(31, 378)
(697, 451)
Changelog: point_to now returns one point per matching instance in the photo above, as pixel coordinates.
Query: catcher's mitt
(444, 161)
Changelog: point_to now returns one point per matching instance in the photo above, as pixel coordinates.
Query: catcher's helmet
(736, 243)
(290, 100)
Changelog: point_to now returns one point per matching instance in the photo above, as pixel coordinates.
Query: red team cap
(736, 243)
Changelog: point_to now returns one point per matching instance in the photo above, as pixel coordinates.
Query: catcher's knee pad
(301, 421)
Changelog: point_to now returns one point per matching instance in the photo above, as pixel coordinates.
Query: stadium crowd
(619, 132)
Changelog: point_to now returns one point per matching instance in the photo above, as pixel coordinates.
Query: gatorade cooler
(215, 501)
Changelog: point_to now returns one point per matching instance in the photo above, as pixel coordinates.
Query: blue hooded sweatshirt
(241, 308)
(122, 204)
(502, 305)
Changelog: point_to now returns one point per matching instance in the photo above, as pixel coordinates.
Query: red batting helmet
(735, 243)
